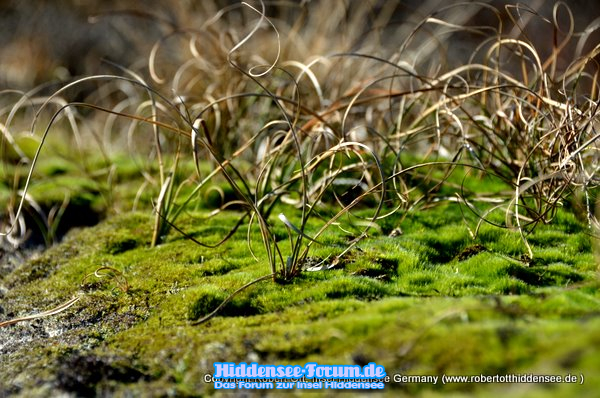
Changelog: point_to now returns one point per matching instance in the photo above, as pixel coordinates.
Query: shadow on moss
(210, 298)
(81, 373)
(543, 276)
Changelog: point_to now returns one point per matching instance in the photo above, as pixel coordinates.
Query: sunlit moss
(475, 309)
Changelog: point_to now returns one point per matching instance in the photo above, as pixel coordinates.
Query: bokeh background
(49, 40)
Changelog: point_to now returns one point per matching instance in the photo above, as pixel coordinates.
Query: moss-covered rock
(426, 302)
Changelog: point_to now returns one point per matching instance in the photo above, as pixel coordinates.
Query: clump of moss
(507, 313)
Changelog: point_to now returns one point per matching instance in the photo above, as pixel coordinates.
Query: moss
(208, 298)
(92, 370)
(424, 302)
(358, 287)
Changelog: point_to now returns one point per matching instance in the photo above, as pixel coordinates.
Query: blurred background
(50, 40)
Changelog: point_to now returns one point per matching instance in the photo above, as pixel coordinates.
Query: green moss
(208, 298)
(429, 301)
